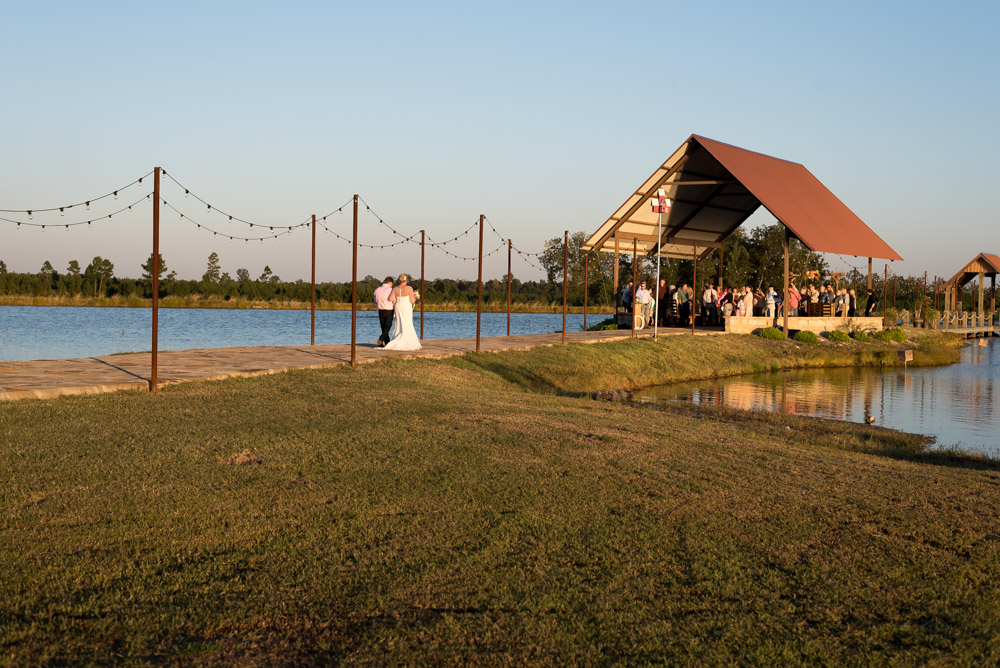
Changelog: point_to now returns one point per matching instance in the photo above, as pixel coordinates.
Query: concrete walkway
(44, 379)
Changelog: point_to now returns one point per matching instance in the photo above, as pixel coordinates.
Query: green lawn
(446, 511)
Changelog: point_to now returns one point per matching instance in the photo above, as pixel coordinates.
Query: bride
(404, 337)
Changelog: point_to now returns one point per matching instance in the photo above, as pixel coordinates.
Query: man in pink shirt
(385, 311)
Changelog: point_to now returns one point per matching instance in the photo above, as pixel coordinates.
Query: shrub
(770, 333)
(881, 335)
(805, 336)
(897, 334)
(932, 316)
(892, 316)
(861, 335)
(607, 323)
(837, 335)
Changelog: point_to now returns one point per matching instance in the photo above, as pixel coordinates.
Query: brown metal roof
(987, 263)
(715, 187)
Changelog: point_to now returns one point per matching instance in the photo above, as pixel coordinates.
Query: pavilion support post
(586, 286)
(885, 281)
(993, 297)
(354, 287)
(894, 281)
(721, 268)
(565, 282)
(156, 277)
(869, 273)
(635, 278)
(312, 298)
(510, 247)
(479, 283)
(694, 286)
(423, 238)
(982, 290)
(784, 302)
(614, 296)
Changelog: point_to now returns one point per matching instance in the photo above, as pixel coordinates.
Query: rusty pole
(479, 283)
(925, 290)
(156, 276)
(694, 286)
(312, 322)
(786, 242)
(614, 297)
(354, 288)
(565, 284)
(635, 279)
(895, 280)
(586, 282)
(869, 276)
(510, 246)
(885, 289)
(422, 238)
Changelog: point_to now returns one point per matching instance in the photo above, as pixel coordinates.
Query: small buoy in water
(870, 419)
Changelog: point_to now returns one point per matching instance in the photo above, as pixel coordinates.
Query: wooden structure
(714, 188)
(980, 320)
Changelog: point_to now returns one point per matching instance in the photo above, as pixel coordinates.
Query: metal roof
(987, 263)
(715, 187)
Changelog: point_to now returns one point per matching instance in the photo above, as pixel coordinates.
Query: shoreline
(221, 305)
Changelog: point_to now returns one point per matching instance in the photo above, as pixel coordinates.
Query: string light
(61, 208)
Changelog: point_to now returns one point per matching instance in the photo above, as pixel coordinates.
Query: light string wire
(232, 237)
(187, 192)
(79, 222)
(87, 203)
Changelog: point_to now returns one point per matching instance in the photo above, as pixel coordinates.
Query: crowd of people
(671, 305)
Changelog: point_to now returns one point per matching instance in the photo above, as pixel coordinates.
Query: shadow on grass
(516, 375)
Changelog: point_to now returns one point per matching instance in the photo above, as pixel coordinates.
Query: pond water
(58, 332)
(956, 404)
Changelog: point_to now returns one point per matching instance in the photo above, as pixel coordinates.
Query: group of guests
(671, 304)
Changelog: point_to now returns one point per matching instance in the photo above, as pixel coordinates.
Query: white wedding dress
(404, 337)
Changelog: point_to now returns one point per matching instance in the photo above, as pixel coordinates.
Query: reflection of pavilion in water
(924, 400)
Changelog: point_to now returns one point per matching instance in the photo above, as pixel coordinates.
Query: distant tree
(47, 268)
(74, 281)
(73, 269)
(99, 272)
(213, 271)
(147, 268)
(267, 276)
(242, 276)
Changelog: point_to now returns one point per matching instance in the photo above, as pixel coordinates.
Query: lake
(59, 332)
(956, 404)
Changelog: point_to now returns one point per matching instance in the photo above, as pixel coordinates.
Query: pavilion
(713, 188)
(981, 266)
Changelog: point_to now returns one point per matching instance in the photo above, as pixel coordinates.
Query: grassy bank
(445, 511)
(198, 301)
(579, 369)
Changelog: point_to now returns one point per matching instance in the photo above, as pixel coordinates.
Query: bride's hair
(403, 278)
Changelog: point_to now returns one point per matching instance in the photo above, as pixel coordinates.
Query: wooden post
(354, 288)
(719, 288)
(694, 287)
(885, 295)
(586, 285)
(565, 283)
(635, 278)
(312, 319)
(156, 277)
(894, 281)
(784, 303)
(993, 296)
(869, 276)
(982, 289)
(422, 240)
(479, 283)
(510, 246)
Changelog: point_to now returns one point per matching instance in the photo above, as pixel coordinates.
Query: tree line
(753, 258)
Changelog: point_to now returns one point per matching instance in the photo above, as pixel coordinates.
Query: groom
(382, 294)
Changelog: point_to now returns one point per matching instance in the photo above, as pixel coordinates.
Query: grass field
(463, 511)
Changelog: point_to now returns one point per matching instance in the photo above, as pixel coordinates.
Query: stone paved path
(44, 379)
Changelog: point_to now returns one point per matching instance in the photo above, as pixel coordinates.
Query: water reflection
(956, 404)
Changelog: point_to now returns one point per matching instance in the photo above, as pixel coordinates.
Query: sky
(543, 116)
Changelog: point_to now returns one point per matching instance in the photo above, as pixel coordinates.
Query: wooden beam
(690, 216)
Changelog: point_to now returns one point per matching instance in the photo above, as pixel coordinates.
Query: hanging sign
(660, 203)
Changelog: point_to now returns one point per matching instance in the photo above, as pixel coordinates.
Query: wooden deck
(44, 379)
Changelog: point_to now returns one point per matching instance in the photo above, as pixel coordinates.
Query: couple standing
(396, 304)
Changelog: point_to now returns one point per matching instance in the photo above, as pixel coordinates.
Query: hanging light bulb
(116, 194)
(88, 206)
(140, 182)
(29, 214)
(61, 212)
(67, 228)
(186, 192)
(209, 207)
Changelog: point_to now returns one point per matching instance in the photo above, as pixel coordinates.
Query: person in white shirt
(385, 310)
(709, 303)
(769, 301)
(644, 298)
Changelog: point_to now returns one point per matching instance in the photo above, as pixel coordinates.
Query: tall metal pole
(354, 288)
(510, 246)
(312, 323)
(656, 285)
(479, 283)
(694, 287)
(635, 279)
(565, 285)
(422, 239)
(586, 286)
(784, 302)
(156, 276)
(614, 297)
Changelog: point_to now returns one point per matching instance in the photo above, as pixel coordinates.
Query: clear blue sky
(543, 116)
